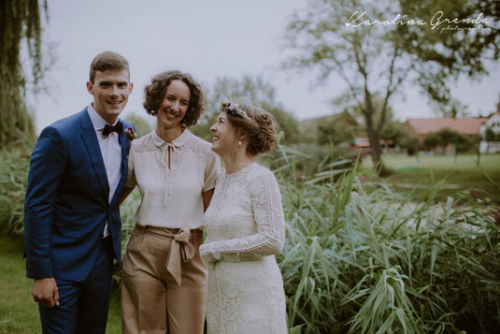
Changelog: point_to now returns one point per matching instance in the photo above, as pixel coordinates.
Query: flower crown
(234, 109)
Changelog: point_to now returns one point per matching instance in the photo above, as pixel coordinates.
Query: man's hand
(45, 292)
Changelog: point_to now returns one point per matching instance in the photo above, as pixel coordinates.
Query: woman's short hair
(154, 94)
(260, 127)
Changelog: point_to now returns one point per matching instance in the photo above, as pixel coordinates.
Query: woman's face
(225, 139)
(174, 105)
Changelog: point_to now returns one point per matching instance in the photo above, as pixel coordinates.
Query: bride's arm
(268, 214)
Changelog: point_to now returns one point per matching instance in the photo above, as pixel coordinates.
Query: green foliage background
(359, 256)
(20, 22)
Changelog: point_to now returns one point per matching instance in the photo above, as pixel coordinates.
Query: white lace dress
(245, 226)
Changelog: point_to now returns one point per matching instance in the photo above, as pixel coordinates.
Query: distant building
(464, 126)
(493, 124)
(312, 128)
(361, 142)
(364, 142)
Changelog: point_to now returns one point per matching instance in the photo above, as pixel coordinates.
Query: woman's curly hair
(261, 128)
(154, 94)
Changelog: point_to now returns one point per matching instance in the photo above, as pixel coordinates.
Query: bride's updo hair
(260, 127)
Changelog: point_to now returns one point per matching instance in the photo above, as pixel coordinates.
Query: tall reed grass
(14, 165)
(359, 258)
(375, 262)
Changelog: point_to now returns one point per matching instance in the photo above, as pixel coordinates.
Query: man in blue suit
(72, 225)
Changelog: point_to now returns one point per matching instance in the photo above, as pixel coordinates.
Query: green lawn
(457, 175)
(18, 311)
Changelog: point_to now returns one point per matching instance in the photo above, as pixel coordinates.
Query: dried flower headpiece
(233, 109)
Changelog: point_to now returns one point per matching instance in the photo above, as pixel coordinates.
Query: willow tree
(20, 42)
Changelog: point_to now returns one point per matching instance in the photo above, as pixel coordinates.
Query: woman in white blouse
(245, 226)
(164, 281)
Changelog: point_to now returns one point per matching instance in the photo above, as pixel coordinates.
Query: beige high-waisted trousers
(164, 282)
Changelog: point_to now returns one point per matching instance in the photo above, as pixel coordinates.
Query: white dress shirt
(111, 154)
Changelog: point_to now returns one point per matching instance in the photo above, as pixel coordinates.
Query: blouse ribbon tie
(180, 250)
(169, 148)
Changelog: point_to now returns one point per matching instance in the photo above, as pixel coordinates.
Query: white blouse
(171, 178)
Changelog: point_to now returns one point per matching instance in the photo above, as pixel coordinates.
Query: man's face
(111, 89)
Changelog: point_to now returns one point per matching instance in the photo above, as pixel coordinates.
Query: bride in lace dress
(245, 227)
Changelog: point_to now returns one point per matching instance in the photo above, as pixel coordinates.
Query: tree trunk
(374, 138)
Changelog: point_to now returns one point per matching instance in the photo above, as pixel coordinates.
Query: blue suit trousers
(83, 306)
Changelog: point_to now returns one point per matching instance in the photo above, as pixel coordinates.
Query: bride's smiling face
(174, 105)
(225, 138)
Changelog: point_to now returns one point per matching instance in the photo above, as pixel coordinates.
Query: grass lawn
(18, 311)
(457, 175)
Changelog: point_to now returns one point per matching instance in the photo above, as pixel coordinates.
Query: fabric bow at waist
(181, 250)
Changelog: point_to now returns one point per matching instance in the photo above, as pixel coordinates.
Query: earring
(239, 143)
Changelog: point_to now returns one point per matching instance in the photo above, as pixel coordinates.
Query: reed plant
(359, 257)
(14, 165)
(359, 261)
(366, 259)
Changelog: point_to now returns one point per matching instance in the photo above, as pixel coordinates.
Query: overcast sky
(208, 39)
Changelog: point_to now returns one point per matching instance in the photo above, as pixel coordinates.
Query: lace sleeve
(268, 214)
(131, 180)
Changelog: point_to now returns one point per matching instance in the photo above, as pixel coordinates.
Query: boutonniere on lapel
(131, 134)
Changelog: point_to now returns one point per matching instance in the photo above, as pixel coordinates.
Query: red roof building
(464, 126)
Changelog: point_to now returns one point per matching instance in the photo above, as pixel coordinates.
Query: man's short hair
(107, 60)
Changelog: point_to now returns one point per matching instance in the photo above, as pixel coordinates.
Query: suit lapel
(89, 137)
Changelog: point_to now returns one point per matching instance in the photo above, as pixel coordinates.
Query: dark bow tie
(118, 128)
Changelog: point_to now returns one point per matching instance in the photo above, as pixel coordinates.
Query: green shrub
(359, 257)
(313, 163)
(14, 166)
(358, 262)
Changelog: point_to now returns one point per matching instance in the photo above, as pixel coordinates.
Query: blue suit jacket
(66, 204)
